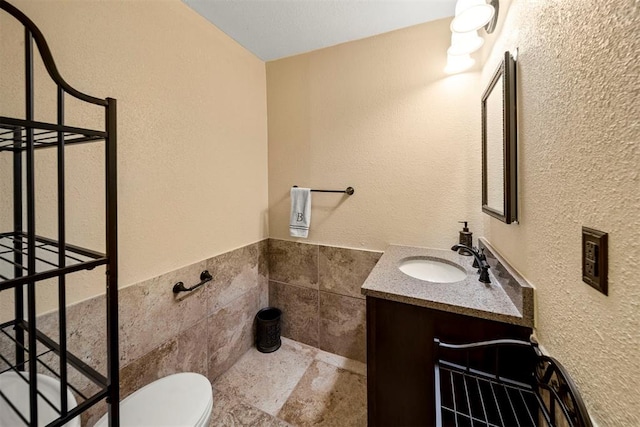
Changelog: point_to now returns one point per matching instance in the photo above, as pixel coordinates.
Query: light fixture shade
(471, 15)
(458, 63)
(465, 43)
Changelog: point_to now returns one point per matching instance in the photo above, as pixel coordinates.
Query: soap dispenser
(466, 238)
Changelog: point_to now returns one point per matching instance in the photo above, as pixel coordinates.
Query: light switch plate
(595, 259)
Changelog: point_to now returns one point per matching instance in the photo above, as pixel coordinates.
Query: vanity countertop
(508, 298)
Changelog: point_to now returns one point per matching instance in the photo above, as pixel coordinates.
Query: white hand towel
(300, 212)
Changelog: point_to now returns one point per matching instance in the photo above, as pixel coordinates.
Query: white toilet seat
(17, 390)
(179, 400)
(204, 421)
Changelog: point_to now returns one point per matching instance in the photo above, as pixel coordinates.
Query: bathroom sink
(432, 270)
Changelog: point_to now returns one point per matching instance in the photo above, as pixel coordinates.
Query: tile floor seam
(245, 402)
(229, 387)
(284, 384)
(294, 387)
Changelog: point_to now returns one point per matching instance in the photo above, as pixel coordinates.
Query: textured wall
(191, 125)
(579, 162)
(380, 115)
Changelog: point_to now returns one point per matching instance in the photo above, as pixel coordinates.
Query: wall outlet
(595, 259)
(590, 268)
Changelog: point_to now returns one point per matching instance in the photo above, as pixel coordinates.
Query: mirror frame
(506, 70)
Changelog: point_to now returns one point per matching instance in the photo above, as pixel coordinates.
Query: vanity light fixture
(458, 63)
(465, 43)
(471, 15)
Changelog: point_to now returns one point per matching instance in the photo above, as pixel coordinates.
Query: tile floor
(297, 385)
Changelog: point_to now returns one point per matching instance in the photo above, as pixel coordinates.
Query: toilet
(183, 400)
(16, 389)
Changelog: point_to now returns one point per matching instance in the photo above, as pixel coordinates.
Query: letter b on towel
(300, 217)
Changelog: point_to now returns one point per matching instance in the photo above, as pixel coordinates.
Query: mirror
(499, 167)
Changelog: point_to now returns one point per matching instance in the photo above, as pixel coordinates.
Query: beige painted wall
(380, 115)
(192, 133)
(579, 157)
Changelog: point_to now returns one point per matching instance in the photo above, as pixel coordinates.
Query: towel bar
(349, 191)
(205, 277)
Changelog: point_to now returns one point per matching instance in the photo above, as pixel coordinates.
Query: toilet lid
(17, 391)
(177, 400)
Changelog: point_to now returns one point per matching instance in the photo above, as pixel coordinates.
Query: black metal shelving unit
(535, 391)
(26, 259)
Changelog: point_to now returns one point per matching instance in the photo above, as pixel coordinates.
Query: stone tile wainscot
(204, 331)
(318, 290)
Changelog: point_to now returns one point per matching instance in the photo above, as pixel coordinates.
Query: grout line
(294, 284)
(306, 369)
(318, 276)
(294, 388)
(319, 320)
(318, 358)
(343, 295)
(299, 348)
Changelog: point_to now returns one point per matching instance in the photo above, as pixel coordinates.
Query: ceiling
(274, 29)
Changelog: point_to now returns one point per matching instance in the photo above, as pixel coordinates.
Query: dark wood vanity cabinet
(400, 359)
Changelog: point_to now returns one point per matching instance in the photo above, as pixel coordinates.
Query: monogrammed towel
(300, 212)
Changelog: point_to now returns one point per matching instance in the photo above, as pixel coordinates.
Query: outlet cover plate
(595, 259)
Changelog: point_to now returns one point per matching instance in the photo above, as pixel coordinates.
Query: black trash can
(268, 330)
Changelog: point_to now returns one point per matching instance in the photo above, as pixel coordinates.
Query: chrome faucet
(480, 261)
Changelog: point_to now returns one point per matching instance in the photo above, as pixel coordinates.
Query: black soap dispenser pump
(466, 238)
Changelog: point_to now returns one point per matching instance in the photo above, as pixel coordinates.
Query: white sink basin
(432, 270)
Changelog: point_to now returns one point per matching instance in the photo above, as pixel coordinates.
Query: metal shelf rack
(14, 134)
(539, 392)
(27, 259)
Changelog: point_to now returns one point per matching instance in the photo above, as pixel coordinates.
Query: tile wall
(318, 290)
(207, 331)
